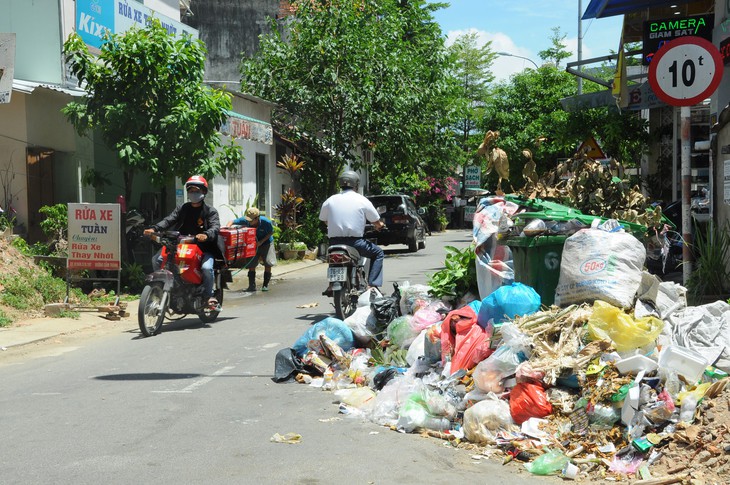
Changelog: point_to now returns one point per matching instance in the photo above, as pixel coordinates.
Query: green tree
(355, 73)
(527, 108)
(557, 51)
(472, 70)
(149, 104)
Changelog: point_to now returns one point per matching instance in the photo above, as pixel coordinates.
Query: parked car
(403, 222)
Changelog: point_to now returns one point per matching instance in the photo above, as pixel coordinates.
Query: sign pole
(686, 190)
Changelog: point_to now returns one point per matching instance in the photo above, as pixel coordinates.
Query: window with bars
(235, 186)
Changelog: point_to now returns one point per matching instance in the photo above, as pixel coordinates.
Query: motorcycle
(347, 273)
(175, 290)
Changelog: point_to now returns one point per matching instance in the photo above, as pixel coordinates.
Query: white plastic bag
(600, 265)
(484, 419)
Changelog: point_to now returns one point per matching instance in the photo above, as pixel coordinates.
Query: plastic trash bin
(537, 263)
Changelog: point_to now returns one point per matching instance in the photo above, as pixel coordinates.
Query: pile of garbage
(618, 380)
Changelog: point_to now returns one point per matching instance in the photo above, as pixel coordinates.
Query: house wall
(230, 28)
(38, 38)
(13, 136)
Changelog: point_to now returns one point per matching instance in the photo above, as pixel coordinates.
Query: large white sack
(600, 265)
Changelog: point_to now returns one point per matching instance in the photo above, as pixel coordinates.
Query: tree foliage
(149, 104)
(472, 72)
(557, 51)
(527, 109)
(355, 73)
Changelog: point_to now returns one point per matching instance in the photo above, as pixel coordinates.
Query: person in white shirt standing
(346, 215)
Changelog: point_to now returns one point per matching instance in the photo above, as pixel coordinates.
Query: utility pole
(580, 45)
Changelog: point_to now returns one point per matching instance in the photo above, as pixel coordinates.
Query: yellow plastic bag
(626, 332)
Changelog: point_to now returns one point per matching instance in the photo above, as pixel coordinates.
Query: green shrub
(133, 277)
(51, 289)
(4, 319)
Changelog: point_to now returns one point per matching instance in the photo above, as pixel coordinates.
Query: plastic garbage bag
(359, 397)
(472, 346)
(484, 419)
(287, 364)
(410, 294)
(334, 328)
(527, 400)
(515, 349)
(507, 302)
(424, 318)
(549, 463)
(400, 332)
(600, 265)
(626, 332)
(358, 323)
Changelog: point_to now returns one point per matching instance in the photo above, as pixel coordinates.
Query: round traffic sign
(686, 71)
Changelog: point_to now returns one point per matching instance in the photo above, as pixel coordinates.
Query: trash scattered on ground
(289, 438)
(620, 380)
(309, 305)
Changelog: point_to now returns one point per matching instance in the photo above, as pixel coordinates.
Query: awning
(27, 87)
(608, 8)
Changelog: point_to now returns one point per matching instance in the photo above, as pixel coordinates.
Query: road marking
(200, 382)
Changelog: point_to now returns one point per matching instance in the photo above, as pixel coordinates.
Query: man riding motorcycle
(195, 218)
(346, 215)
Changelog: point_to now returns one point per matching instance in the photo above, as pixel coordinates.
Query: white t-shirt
(346, 214)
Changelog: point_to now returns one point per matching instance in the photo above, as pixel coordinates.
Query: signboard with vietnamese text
(726, 182)
(659, 32)
(96, 17)
(473, 177)
(94, 236)
(469, 212)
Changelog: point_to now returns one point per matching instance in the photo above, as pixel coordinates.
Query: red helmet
(197, 181)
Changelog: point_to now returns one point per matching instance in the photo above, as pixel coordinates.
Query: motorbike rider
(195, 218)
(346, 215)
(264, 246)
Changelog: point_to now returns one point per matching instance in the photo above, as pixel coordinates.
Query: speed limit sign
(686, 71)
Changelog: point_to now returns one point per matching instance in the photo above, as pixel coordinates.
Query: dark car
(403, 222)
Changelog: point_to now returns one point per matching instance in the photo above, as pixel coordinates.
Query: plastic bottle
(687, 411)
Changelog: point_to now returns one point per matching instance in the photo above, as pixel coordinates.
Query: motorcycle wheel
(210, 316)
(152, 307)
(345, 305)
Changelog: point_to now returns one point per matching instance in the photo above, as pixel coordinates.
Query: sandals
(213, 303)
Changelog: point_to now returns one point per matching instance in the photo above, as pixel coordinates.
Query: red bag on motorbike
(466, 342)
(188, 259)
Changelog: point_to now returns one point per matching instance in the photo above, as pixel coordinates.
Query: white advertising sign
(7, 66)
(473, 177)
(469, 212)
(94, 236)
(95, 17)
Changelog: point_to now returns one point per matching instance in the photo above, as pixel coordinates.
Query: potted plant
(287, 210)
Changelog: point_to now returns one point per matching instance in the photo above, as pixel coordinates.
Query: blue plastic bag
(506, 302)
(333, 328)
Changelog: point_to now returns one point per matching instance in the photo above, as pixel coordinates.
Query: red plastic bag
(464, 340)
(527, 400)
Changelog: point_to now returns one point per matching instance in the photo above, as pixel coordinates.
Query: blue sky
(524, 27)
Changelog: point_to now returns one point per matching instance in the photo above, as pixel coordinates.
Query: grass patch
(4, 319)
(69, 314)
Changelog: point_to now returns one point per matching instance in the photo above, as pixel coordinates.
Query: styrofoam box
(684, 361)
(636, 363)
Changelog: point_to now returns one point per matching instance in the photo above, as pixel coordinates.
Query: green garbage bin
(537, 263)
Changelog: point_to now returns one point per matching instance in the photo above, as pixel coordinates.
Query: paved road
(196, 404)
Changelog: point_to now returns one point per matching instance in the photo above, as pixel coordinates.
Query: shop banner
(94, 236)
(95, 17)
(659, 32)
(473, 177)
